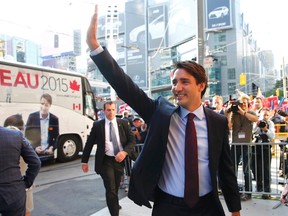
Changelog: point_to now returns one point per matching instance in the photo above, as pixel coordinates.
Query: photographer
(283, 166)
(264, 133)
(240, 120)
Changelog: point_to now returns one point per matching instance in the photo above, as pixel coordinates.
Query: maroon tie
(191, 191)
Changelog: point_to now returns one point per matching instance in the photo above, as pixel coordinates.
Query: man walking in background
(115, 141)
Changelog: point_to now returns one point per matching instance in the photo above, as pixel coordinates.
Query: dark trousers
(253, 161)
(111, 174)
(168, 205)
(263, 170)
(14, 209)
(245, 151)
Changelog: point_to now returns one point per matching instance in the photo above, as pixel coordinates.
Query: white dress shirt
(172, 180)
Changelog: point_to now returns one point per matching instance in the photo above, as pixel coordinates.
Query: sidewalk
(249, 208)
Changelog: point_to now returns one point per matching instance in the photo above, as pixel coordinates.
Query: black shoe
(266, 196)
(245, 197)
(120, 207)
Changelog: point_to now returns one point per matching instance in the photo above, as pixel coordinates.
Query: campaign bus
(73, 102)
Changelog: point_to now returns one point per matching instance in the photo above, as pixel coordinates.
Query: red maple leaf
(74, 85)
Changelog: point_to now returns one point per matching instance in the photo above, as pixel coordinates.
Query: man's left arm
(251, 116)
(271, 130)
(130, 142)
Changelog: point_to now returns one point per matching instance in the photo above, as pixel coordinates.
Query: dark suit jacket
(157, 114)
(33, 130)
(12, 146)
(97, 136)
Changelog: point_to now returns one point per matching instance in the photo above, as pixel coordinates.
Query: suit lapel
(210, 125)
(102, 131)
(120, 129)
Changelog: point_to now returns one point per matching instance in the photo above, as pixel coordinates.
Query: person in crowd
(115, 141)
(139, 128)
(13, 184)
(158, 174)
(265, 132)
(218, 104)
(280, 119)
(16, 122)
(241, 120)
(258, 109)
(42, 128)
(129, 118)
(126, 115)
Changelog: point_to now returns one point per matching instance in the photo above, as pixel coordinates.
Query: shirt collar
(48, 117)
(114, 121)
(199, 112)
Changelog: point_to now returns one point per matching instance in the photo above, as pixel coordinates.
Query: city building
(148, 37)
(156, 34)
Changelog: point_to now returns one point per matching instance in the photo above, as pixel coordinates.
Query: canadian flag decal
(74, 85)
(76, 106)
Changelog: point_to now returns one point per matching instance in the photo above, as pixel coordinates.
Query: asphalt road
(62, 189)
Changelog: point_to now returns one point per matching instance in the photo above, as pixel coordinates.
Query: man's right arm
(114, 74)
(91, 39)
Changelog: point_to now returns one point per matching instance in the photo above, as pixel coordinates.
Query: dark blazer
(157, 114)
(12, 184)
(97, 136)
(33, 130)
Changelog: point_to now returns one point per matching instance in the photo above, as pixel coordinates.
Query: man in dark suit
(159, 172)
(12, 183)
(110, 154)
(42, 128)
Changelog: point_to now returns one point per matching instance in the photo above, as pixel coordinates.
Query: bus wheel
(68, 148)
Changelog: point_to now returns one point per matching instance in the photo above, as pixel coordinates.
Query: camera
(234, 106)
(282, 113)
(262, 124)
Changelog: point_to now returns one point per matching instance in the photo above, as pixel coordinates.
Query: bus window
(89, 108)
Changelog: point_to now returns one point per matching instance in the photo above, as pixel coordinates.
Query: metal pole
(200, 32)
(284, 79)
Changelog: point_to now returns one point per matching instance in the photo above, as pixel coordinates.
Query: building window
(223, 60)
(231, 88)
(231, 73)
(220, 48)
(20, 52)
(220, 37)
(2, 48)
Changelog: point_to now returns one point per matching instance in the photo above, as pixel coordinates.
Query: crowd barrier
(129, 163)
(263, 166)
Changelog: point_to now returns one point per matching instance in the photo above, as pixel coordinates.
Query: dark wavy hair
(14, 120)
(194, 69)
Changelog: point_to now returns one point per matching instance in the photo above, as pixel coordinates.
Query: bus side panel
(22, 87)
